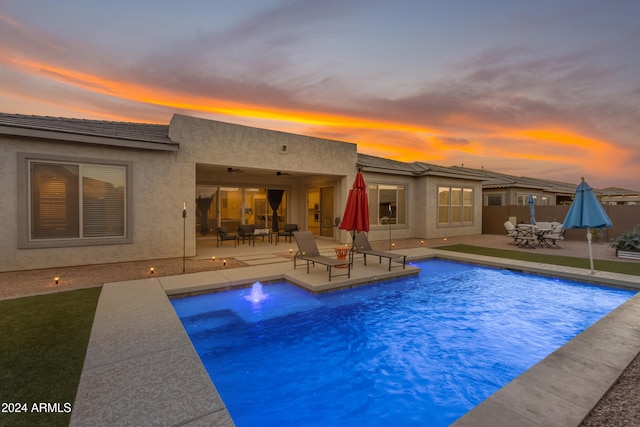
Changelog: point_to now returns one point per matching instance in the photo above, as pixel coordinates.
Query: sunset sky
(545, 88)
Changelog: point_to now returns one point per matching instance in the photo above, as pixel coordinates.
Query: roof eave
(88, 139)
(455, 175)
(384, 170)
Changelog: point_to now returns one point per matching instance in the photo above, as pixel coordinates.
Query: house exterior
(80, 192)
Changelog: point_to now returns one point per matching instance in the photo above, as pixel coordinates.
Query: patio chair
(247, 231)
(288, 231)
(224, 236)
(511, 231)
(551, 238)
(308, 251)
(523, 235)
(361, 245)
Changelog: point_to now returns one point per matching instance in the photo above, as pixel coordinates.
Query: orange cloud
(161, 97)
(483, 141)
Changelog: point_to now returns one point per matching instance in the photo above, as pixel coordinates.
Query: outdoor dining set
(541, 234)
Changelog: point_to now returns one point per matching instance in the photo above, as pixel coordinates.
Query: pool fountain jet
(256, 295)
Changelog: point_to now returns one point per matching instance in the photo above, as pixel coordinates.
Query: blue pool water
(422, 350)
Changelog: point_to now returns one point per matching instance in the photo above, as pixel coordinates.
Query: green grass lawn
(44, 341)
(632, 268)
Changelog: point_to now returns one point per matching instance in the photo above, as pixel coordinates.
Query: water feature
(414, 351)
(257, 295)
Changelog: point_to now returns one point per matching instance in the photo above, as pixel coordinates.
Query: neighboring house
(500, 189)
(618, 196)
(78, 192)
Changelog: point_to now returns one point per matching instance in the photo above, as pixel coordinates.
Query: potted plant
(628, 244)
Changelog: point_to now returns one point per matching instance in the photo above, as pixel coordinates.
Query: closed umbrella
(586, 212)
(532, 209)
(356, 211)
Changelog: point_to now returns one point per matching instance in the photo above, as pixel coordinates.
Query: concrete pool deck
(141, 368)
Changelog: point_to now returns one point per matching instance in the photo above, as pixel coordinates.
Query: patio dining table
(541, 234)
(530, 235)
(525, 236)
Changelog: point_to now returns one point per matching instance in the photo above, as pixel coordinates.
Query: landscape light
(151, 270)
(56, 279)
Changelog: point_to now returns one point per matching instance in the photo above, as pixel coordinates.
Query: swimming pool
(422, 350)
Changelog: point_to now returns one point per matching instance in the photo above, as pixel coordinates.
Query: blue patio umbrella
(586, 211)
(532, 209)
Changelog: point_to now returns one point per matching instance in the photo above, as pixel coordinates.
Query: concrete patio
(141, 368)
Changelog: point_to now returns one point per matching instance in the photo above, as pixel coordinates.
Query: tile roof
(380, 164)
(501, 180)
(135, 132)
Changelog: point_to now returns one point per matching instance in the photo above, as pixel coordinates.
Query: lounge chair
(308, 251)
(224, 236)
(362, 246)
(288, 231)
(247, 231)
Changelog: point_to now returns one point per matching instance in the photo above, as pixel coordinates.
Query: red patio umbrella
(356, 212)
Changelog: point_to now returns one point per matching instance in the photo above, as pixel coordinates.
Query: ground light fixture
(213, 258)
(151, 270)
(224, 262)
(56, 279)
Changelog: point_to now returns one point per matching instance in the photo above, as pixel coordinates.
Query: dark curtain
(275, 198)
(203, 208)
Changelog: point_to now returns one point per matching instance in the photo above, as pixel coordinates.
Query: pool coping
(151, 373)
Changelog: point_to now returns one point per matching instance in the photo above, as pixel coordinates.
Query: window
(70, 203)
(523, 199)
(387, 204)
(455, 206)
(494, 199)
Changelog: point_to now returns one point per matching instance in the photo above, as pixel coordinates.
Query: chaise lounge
(363, 246)
(308, 251)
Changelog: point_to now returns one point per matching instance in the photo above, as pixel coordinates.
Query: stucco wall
(415, 209)
(160, 185)
(437, 231)
(231, 145)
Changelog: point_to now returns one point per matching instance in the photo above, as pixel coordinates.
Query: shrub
(629, 241)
